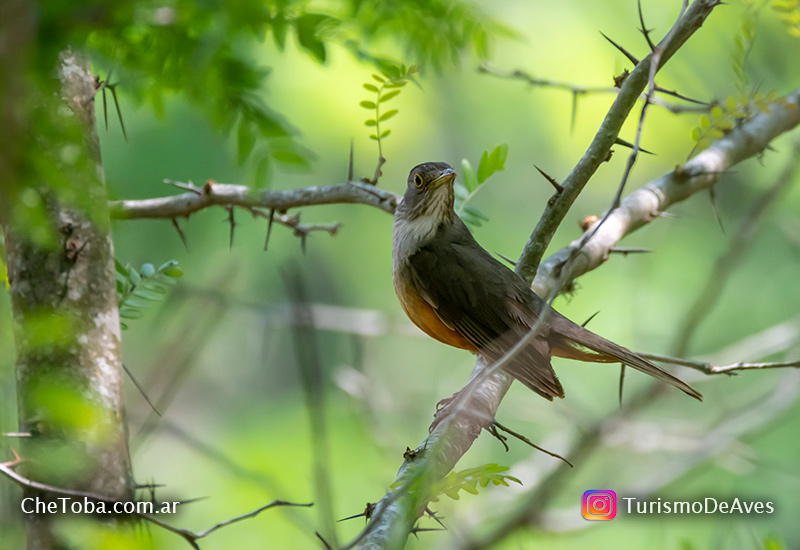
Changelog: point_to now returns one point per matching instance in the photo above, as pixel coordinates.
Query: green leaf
(373, 136)
(140, 295)
(133, 276)
(127, 312)
(387, 96)
(307, 31)
(484, 168)
(279, 28)
(371, 88)
(367, 104)
(290, 158)
(705, 122)
(388, 114)
(695, 134)
(370, 122)
(267, 124)
(398, 84)
(385, 133)
(246, 139)
(378, 78)
(470, 180)
(168, 266)
(499, 156)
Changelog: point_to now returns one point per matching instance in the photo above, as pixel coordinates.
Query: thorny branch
(637, 209)
(225, 194)
(580, 90)
(190, 536)
(630, 89)
(709, 368)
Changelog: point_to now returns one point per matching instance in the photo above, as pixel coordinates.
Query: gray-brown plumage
(457, 293)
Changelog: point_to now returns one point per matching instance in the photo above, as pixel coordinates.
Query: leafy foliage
(789, 12)
(489, 164)
(432, 32)
(724, 117)
(387, 86)
(137, 290)
(469, 480)
(743, 43)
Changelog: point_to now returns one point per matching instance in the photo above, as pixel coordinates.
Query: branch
(189, 536)
(709, 368)
(222, 194)
(448, 441)
(645, 204)
(597, 152)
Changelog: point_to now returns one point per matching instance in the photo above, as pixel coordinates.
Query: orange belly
(425, 317)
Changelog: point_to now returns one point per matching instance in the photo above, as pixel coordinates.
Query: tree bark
(64, 303)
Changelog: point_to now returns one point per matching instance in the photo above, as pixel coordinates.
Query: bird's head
(429, 192)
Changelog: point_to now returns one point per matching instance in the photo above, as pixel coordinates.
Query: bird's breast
(422, 314)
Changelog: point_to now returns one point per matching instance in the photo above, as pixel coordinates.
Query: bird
(459, 294)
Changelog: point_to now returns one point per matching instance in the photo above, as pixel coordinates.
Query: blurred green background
(218, 357)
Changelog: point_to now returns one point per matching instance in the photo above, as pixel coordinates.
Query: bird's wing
(485, 302)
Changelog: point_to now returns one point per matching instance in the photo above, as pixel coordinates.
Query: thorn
(553, 182)
(665, 215)
(625, 52)
(119, 111)
(233, 226)
(621, 382)
(681, 96)
(712, 194)
(506, 258)
(626, 251)
(644, 30)
(324, 542)
(180, 234)
(367, 513)
(435, 518)
(269, 227)
(140, 388)
(303, 237)
(149, 485)
(592, 316)
(192, 500)
(105, 106)
(629, 145)
(185, 186)
(350, 164)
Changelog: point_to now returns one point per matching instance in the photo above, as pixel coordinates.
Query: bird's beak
(447, 176)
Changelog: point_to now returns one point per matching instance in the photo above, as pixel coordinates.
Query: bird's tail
(575, 342)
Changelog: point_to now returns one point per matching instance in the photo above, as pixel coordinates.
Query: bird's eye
(418, 180)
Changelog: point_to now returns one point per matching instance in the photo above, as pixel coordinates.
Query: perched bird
(457, 293)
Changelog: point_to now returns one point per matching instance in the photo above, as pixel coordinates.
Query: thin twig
(189, 536)
(709, 368)
(531, 443)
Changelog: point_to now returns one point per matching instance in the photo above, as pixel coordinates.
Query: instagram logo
(600, 505)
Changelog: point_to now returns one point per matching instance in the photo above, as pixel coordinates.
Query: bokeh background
(218, 359)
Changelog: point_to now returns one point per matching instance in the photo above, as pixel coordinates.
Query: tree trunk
(64, 303)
